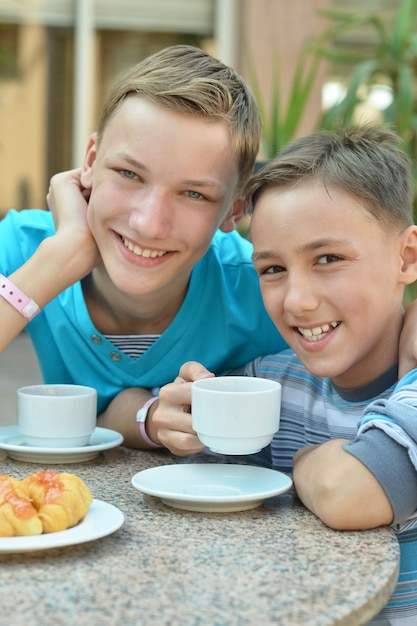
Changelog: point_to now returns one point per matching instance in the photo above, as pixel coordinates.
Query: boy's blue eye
(195, 195)
(128, 173)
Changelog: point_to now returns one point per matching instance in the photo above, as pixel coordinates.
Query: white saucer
(101, 439)
(210, 487)
(101, 520)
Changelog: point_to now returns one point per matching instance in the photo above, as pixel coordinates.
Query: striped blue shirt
(380, 419)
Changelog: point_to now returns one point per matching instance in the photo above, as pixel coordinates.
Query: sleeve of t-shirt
(386, 443)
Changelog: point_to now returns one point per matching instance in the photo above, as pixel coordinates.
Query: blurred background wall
(58, 59)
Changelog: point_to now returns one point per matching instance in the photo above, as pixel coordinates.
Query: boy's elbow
(351, 509)
(338, 517)
(340, 489)
(331, 508)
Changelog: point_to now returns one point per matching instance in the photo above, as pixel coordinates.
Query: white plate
(101, 439)
(101, 520)
(210, 487)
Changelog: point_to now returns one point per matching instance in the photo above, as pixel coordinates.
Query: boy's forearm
(339, 489)
(120, 415)
(39, 279)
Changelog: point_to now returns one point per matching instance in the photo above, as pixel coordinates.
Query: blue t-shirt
(221, 323)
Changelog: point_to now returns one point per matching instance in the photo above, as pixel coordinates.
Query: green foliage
(391, 61)
(8, 44)
(280, 124)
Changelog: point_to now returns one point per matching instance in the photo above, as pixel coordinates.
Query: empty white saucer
(101, 439)
(211, 487)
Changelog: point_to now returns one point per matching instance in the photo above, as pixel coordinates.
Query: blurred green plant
(391, 61)
(8, 57)
(280, 124)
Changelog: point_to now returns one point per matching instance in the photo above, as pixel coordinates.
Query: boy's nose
(300, 295)
(152, 215)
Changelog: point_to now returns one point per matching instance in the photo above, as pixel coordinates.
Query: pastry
(18, 516)
(44, 502)
(61, 499)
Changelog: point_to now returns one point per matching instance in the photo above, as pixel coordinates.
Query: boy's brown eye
(328, 258)
(273, 269)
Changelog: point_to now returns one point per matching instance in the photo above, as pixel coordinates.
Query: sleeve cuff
(379, 453)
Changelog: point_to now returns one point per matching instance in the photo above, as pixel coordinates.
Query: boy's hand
(170, 423)
(68, 202)
(61, 259)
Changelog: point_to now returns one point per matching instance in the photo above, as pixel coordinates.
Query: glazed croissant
(18, 516)
(44, 502)
(62, 500)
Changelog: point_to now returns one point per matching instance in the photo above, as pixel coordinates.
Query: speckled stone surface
(276, 564)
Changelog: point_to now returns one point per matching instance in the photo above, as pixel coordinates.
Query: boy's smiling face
(162, 183)
(332, 280)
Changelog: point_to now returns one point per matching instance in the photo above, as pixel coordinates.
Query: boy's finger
(192, 370)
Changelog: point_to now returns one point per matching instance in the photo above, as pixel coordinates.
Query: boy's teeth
(143, 251)
(316, 333)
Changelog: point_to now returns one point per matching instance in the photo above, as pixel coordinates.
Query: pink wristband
(22, 303)
(141, 416)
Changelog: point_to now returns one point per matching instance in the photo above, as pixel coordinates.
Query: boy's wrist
(141, 417)
(17, 299)
(69, 265)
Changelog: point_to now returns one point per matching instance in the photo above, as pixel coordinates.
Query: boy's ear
(87, 167)
(409, 255)
(236, 213)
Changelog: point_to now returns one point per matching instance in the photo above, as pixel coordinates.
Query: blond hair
(190, 81)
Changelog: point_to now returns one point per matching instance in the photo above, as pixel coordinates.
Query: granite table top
(274, 564)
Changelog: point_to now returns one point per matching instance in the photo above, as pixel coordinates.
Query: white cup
(56, 416)
(235, 414)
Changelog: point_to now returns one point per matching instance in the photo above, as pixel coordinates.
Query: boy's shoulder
(29, 220)
(409, 379)
(231, 248)
(21, 232)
